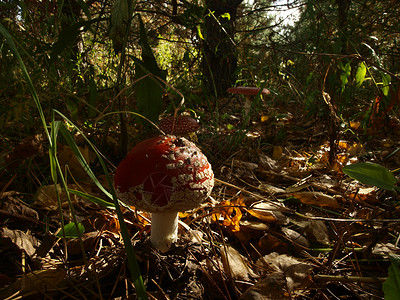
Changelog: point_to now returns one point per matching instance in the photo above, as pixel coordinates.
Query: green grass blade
(92, 199)
(130, 251)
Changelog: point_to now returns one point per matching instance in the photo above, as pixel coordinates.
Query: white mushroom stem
(164, 230)
(247, 105)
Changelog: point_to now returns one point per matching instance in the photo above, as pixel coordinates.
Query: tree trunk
(219, 49)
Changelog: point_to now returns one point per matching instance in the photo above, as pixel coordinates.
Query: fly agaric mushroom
(164, 175)
(178, 125)
(248, 92)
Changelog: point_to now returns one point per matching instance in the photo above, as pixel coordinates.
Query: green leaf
(386, 82)
(93, 199)
(372, 174)
(360, 74)
(200, 34)
(344, 77)
(391, 287)
(70, 231)
(226, 15)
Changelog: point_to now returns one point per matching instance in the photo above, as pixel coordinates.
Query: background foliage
(102, 72)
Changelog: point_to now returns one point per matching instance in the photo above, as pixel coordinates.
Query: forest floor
(281, 223)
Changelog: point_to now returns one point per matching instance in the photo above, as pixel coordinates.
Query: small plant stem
(326, 278)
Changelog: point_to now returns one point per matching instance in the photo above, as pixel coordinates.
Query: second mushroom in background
(248, 92)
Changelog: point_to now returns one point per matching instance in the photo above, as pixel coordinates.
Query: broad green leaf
(70, 231)
(360, 74)
(391, 287)
(372, 174)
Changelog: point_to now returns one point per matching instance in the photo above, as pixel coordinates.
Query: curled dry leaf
(46, 197)
(385, 249)
(271, 189)
(67, 157)
(29, 147)
(267, 163)
(315, 229)
(318, 198)
(277, 152)
(89, 240)
(14, 206)
(235, 265)
(268, 212)
(368, 195)
(268, 288)
(229, 213)
(39, 281)
(17, 239)
(269, 243)
(254, 225)
(296, 237)
(296, 272)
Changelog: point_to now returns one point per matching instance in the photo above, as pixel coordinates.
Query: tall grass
(57, 174)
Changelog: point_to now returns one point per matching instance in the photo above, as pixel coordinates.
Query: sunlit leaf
(200, 34)
(360, 74)
(371, 174)
(230, 214)
(386, 82)
(226, 15)
(70, 230)
(271, 213)
(317, 198)
(344, 77)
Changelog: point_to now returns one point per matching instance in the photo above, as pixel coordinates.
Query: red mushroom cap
(178, 125)
(247, 90)
(164, 173)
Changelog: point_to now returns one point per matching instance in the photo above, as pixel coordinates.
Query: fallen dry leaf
(17, 239)
(268, 212)
(17, 207)
(315, 229)
(39, 281)
(296, 237)
(271, 287)
(235, 265)
(229, 213)
(296, 272)
(273, 190)
(368, 195)
(66, 157)
(318, 198)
